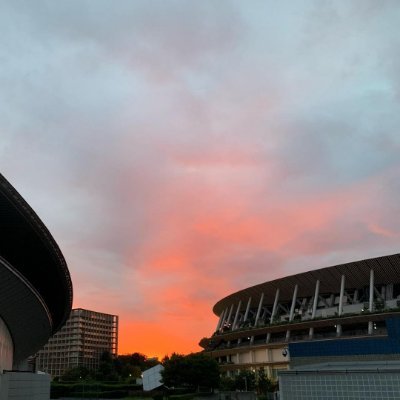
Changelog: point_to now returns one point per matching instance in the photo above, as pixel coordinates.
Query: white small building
(152, 377)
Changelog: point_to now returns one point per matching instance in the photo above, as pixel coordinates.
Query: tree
(263, 383)
(249, 380)
(106, 370)
(173, 373)
(196, 370)
(129, 366)
(75, 374)
(245, 380)
(227, 384)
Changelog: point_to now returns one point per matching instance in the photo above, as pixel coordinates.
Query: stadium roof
(386, 270)
(27, 246)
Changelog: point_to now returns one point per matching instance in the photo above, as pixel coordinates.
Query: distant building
(80, 343)
(35, 295)
(343, 313)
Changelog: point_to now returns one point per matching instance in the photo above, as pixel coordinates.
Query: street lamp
(245, 382)
(83, 386)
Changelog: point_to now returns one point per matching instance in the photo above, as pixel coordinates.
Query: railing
(305, 337)
(307, 318)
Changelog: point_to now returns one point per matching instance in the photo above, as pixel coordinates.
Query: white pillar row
(246, 314)
(275, 306)
(371, 299)
(236, 315)
(259, 309)
(340, 310)
(292, 308)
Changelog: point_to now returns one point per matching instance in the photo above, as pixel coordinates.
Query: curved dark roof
(27, 245)
(386, 270)
(24, 312)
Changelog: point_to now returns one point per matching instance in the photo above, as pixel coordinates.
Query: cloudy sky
(182, 150)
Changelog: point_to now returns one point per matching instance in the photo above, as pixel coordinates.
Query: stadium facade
(343, 313)
(80, 342)
(35, 294)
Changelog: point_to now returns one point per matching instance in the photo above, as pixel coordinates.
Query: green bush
(119, 386)
(87, 395)
(57, 391)
(158, 396)
(187, 396)
(114, 394)
(94, 389)
(141, 394)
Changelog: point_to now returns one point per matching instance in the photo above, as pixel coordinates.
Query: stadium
(35, 293)
(342, 313)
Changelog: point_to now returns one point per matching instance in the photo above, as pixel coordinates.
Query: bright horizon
(180, 151)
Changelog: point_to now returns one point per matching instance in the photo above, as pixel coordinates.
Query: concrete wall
(6, 347)
(24, 386)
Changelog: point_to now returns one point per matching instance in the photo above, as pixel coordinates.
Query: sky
(179, 151)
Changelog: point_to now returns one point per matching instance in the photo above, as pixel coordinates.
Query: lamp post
(245, 383)
(83, 386)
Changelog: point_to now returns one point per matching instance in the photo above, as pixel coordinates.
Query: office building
(35, 295)
(80, 343)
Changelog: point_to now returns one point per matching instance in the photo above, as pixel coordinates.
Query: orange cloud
(201, 246)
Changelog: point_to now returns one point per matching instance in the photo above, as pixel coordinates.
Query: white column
(275, 306)
(246, 314)
(230, 314)
(223, 318)
(342, 283)
(371, 290)
(371, 299)
(355, 297)
(340, 310)
(316, 295)
(259, 309)
(315, 304)
(220, 321)
(236, 315)
(292, 308)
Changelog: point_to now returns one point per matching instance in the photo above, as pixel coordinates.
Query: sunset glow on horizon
(180, 151)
